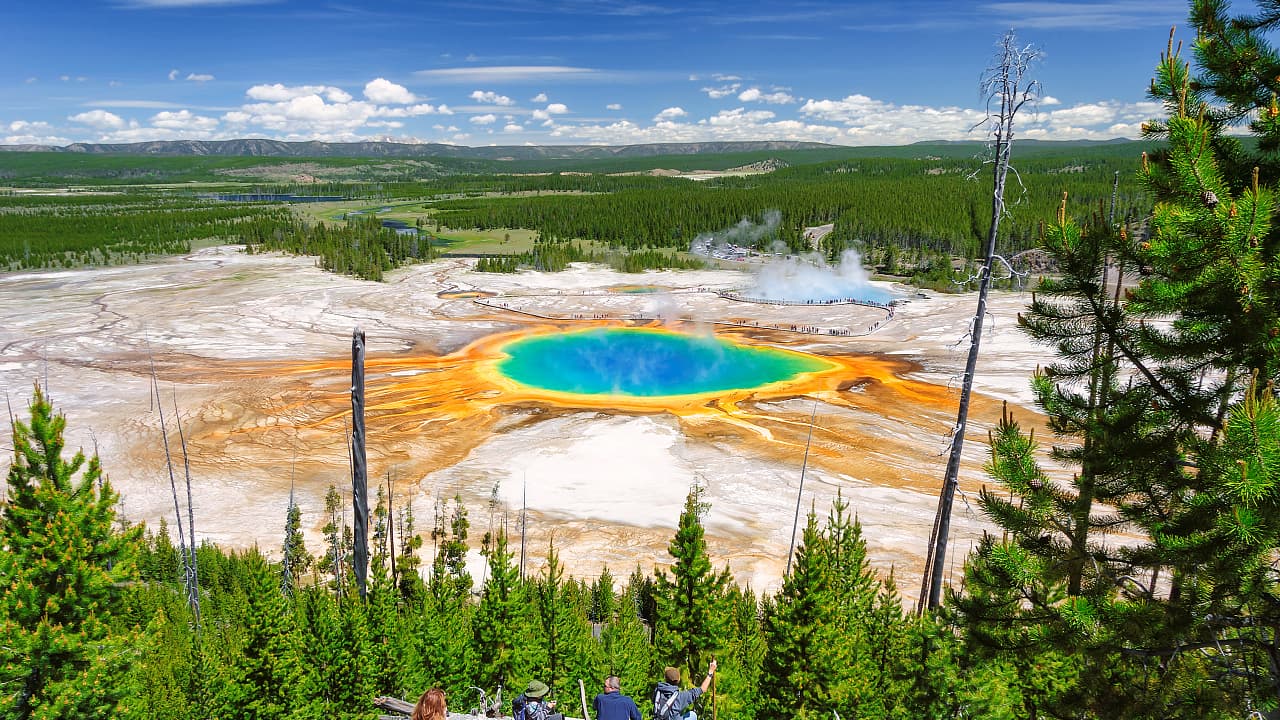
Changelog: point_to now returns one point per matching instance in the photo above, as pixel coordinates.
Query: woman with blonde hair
(430, 706)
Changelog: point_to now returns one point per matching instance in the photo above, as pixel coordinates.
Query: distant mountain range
(313, 149)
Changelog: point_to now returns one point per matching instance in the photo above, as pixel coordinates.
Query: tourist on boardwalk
(672, 703)
(612, 704)
(430, 706)
(532, 703)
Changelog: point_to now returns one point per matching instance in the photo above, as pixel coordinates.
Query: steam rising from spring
(801, 279)
(788, 278)
(726, 243)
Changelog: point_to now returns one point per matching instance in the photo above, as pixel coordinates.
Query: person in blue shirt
(612, 704)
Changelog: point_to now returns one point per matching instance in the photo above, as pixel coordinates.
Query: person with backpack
(531, 704)
(672, 703)
(612, 704)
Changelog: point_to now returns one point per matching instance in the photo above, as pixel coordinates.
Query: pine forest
(1156, 298)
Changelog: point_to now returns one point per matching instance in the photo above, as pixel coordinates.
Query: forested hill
(276, 148)
(256, 147)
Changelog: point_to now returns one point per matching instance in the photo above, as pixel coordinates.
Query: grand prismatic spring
(648, 363)
(252, 354)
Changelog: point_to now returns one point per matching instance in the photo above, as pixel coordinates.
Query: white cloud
(184, 120)
(1050, 100)
(114, 84)
(557, 109)
(507, 73)
(720, 77)
(1093, 16)
(1106, 113)
(24, 132)
(160, 4)
(31, 132)
(512, 128)
(488, 119)
(381, 90)
(738, 117)
(30, 80)
(411, 111)
(670, 113)
(489, 97)
(871, 122)
(306, 116)
(613, 106)
(199, 77)
(281, 93)
(539, 98)
(149, 104)
(173, 74)
(756, 95)
(29, 126)
(715, 93)
(99, 120)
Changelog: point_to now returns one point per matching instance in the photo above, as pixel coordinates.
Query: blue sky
(511, 72)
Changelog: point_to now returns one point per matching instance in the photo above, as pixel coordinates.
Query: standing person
(672, 703)
(612, 704)
(531, 704)
(430, 706)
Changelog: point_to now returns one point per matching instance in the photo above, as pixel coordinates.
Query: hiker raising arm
(672, 703)
(706, 681)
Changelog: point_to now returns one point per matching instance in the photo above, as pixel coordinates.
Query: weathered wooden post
(359, 463)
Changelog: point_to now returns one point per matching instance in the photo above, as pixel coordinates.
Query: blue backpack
(664, 704)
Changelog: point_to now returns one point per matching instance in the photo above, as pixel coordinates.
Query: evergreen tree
(502, 629)
(62, 566)
(602, 597)
(382, 659)
(1187, 341)
(263, 677)
(336, 563)
(449, 570)
(336, 682)
(296, 560)
(441, 652)
(564, 633)
(800, 636)
(163, 565)
(627, 652)
(689, 625)
(868, 645)
(739, 673)
(407, 562)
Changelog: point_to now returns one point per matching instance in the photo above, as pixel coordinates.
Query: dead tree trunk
(359, 463)
(1004, 82)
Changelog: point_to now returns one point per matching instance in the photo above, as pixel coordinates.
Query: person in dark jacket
(612, 704)
(532, 703)
(672, 703)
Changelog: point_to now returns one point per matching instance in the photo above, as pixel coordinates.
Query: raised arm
(711, 671)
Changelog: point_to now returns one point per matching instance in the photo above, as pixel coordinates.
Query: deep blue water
(647, 363)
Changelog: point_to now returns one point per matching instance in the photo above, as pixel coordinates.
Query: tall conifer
(62, 566)
(690, 625)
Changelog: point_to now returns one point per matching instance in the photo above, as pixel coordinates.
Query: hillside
(252, 147)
